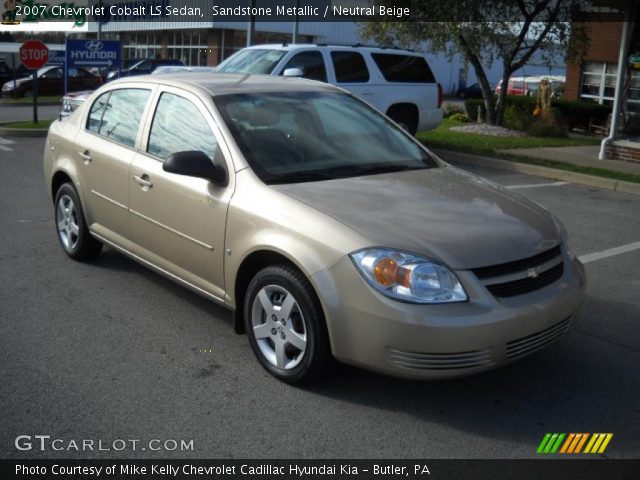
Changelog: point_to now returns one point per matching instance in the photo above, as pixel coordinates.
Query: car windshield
(253, 60)
(310, 136)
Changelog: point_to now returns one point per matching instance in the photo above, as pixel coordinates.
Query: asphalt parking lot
(110, 350)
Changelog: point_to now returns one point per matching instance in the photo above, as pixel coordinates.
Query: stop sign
(34, 54)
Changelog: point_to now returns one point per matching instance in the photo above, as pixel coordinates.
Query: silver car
(329, 231)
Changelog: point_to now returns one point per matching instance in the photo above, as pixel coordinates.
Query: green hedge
(575, 114)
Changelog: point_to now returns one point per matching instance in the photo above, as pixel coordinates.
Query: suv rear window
(403, 68)
(350, 67)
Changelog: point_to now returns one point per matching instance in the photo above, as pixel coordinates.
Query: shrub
(549, 124)
(576, 115)
(450, 109)
(579, 114)
(517, 117)
(471, 107)
(460, 117)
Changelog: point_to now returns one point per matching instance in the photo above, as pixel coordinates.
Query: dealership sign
(93, 53)
(56, 57)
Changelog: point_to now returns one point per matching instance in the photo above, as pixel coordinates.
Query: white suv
(397, 82)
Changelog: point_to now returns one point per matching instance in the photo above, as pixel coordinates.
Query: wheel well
(59, 179)
(407, 110)
(251, 265)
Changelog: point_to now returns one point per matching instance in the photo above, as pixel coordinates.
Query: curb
(22, 132)
(539, 171)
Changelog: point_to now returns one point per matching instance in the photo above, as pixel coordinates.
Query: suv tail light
(440, 95)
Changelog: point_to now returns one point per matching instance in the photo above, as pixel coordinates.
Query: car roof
(311, 46)
(227, 83)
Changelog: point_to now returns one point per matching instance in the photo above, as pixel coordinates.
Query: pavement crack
(611, 342)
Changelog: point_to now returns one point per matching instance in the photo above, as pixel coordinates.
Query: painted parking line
(3, 145)
(536, 185)
(592, 257)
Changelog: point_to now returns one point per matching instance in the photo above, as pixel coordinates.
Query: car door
(106, 146)
(178, 222)
(352, 73)
(51, 82)
(311, 62)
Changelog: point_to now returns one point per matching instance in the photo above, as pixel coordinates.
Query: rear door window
(403, 68)
(350, 67)
(120, 115)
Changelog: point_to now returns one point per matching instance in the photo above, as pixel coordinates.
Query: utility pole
(251, 26)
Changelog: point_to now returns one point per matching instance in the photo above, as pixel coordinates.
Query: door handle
(367, 93)
(143, 181)
(86, 158)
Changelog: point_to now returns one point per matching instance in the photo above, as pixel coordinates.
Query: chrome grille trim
(440, 361)
(526, 285)
(517, 265)
(531, 343)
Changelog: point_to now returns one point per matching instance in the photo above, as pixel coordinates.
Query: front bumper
(408, 340)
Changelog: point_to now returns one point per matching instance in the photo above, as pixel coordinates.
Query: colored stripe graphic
(598, 442)
(553, 443)
(574, 443)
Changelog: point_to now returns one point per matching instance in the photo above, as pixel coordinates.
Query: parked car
(72, 100)
(472, 91)
(51, 82)
(330, 231)
(529, 85)
(397, 82)
(142, 67)
(6, 72)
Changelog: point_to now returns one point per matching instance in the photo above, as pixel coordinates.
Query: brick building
(605, 74)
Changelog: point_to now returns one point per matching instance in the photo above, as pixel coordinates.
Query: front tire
(286, 326)
(71, 225)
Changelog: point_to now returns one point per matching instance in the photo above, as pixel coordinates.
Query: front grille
(440, 361)
(526, 285)
(529, 344)
(518, 265)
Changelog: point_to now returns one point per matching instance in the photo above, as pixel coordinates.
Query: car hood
(443, 213)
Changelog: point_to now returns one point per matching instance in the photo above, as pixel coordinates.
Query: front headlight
(407, 277)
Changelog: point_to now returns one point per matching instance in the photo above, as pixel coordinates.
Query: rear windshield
(252, 61)
(403, 68)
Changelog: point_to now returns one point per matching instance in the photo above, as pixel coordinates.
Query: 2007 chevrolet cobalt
(329, 230)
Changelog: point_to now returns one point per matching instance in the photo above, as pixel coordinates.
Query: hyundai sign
(93, 53)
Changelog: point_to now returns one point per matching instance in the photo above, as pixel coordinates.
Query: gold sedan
(330, 231)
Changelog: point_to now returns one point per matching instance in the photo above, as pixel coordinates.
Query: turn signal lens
(385, 271)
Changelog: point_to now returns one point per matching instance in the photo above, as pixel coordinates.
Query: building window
(599, 81)
(188, 46)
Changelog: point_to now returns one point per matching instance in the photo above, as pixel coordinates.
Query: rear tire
(405, 117)
(286, 326)
(71, 226)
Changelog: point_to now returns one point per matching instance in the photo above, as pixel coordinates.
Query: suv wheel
(74, 236)
(405, 117)
(285, 325)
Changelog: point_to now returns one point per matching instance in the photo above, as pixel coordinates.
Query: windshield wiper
(299, 177)
(361, 170)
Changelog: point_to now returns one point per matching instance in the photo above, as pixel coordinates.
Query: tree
(486, 31)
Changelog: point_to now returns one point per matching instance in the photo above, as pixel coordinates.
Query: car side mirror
(293, 72)
(194, 163)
